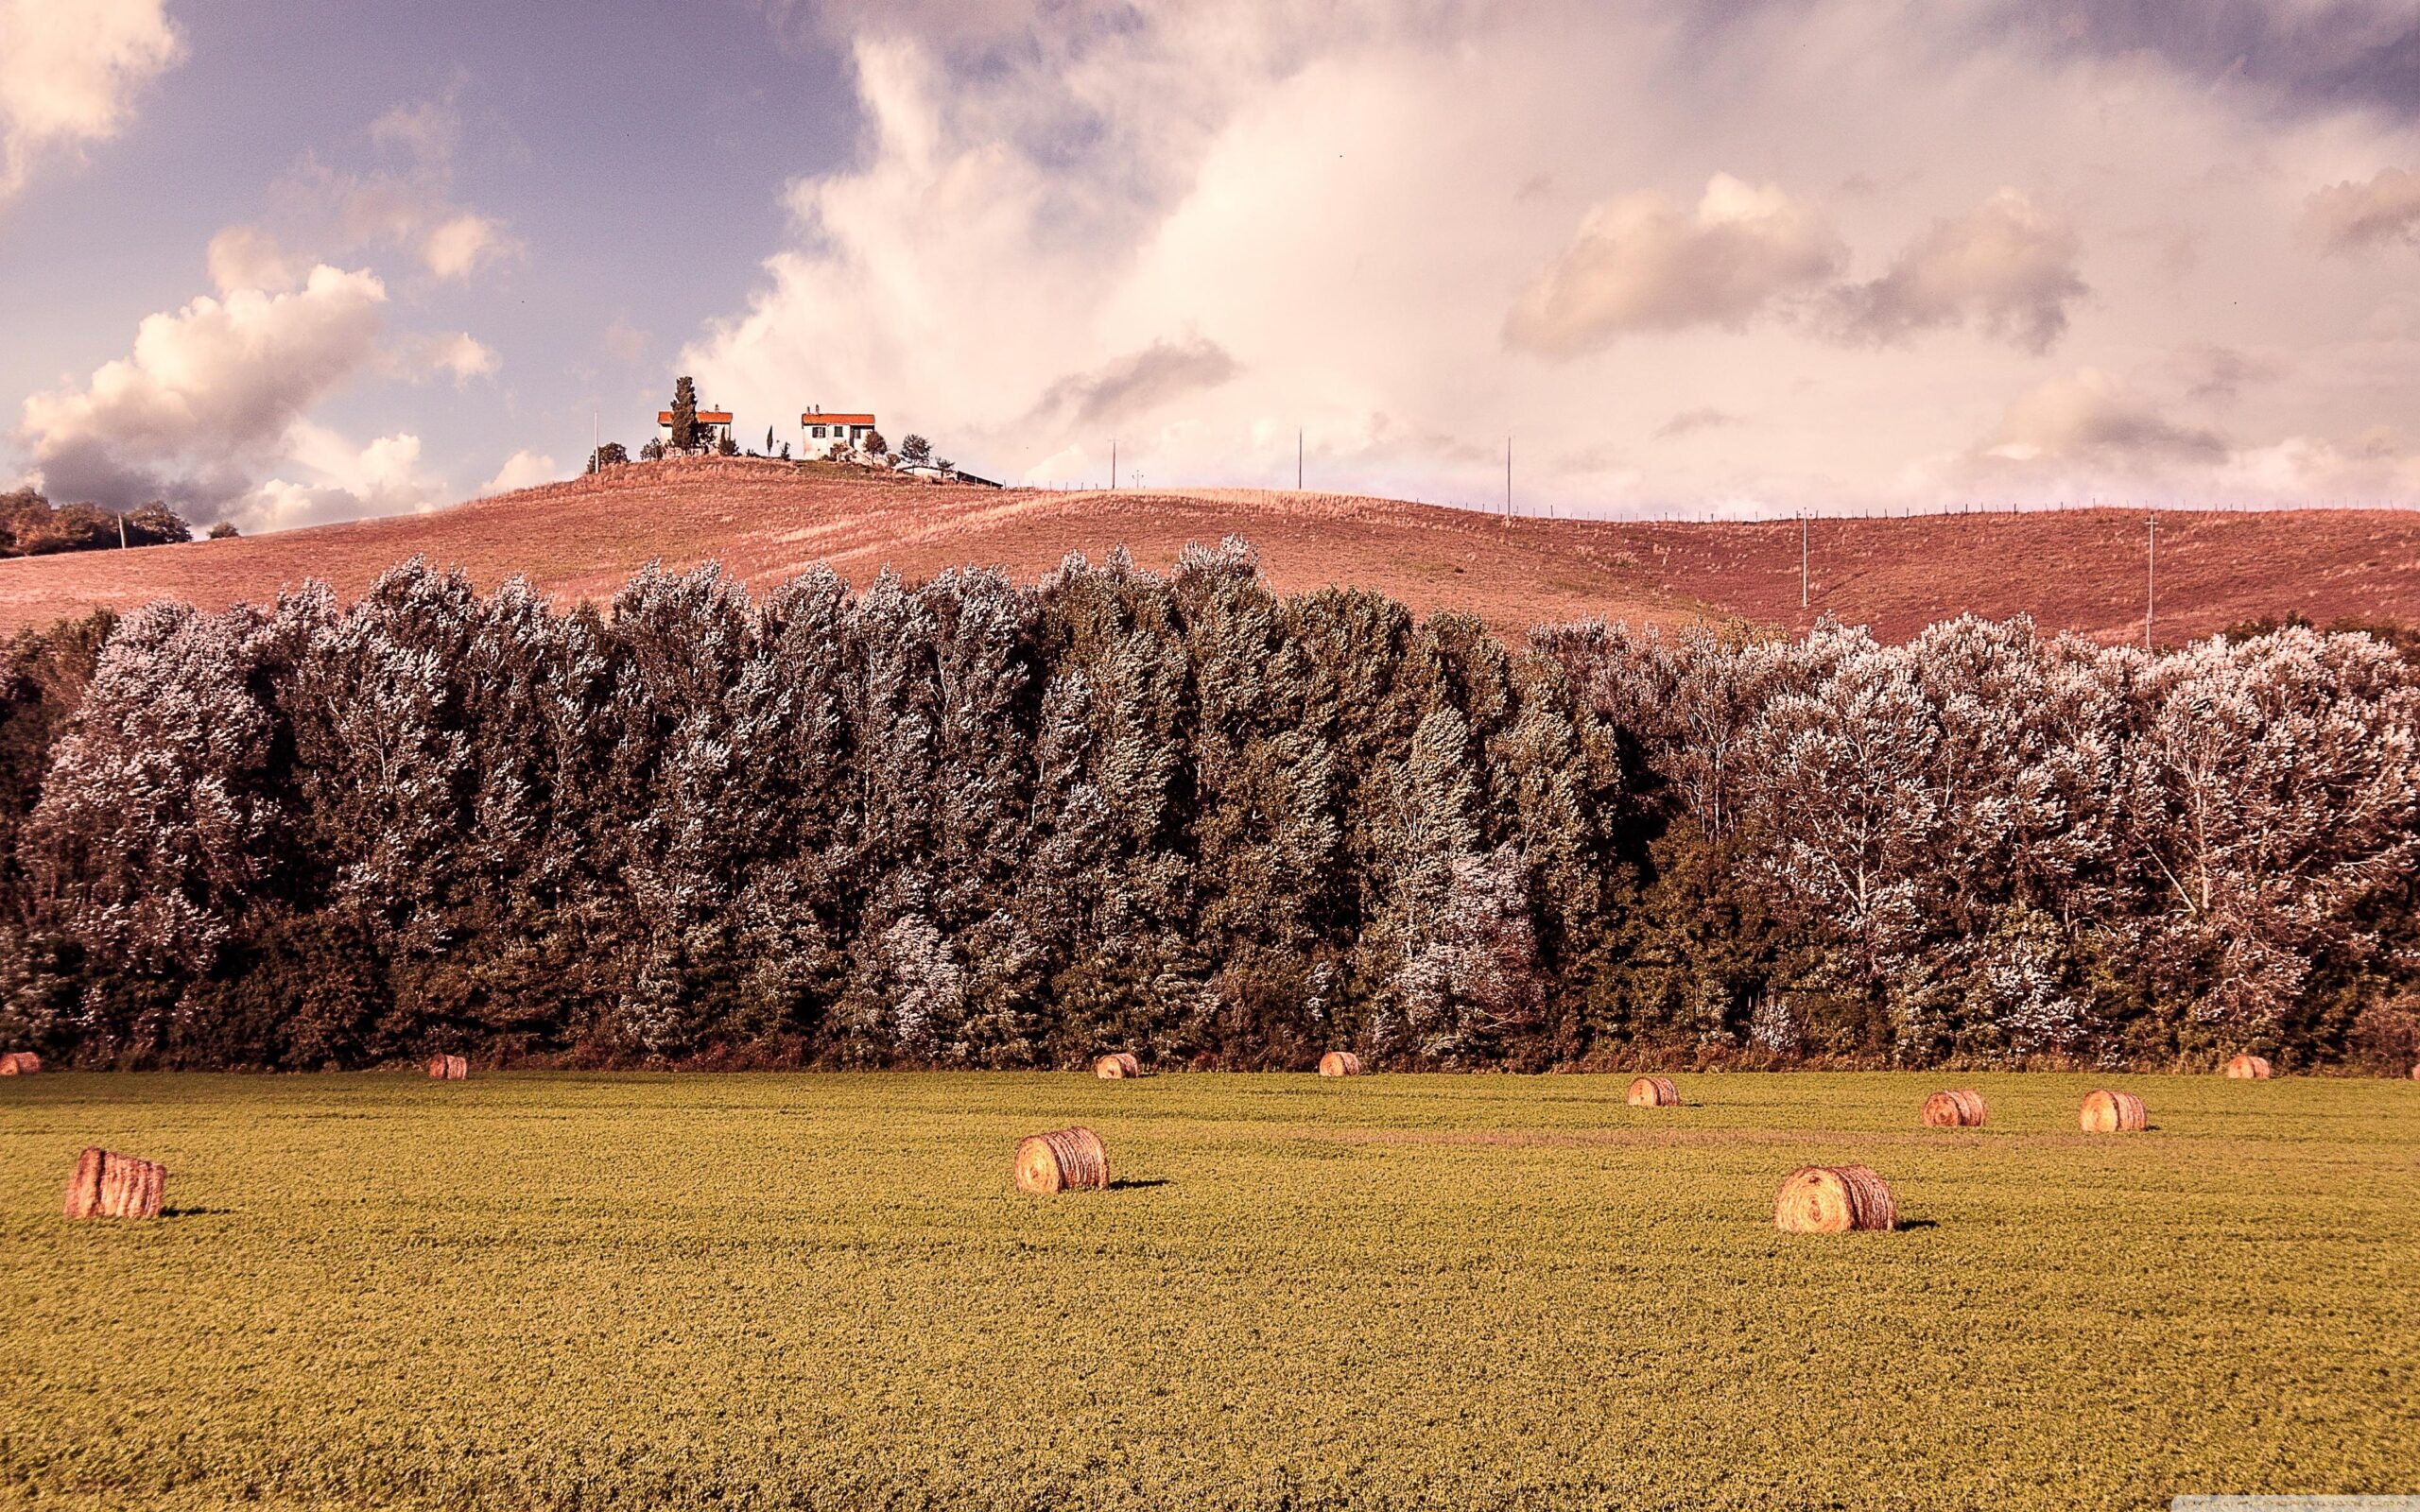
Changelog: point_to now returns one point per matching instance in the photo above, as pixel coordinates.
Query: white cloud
(2350, 218)
(458, 244)
(1641, 263)
(207, 393)
(406, 202)
(69, 74)
(2369, 468)
(428, 130)
(446, 243)
(1691, 422)
(340, 481)
(247, 257)
(1048, 207)
(1137, 383)
(411, 211)
(2091, 433)
(523, 470)
(2090, 414)
(459, 355)
(2210, 372)
(2009, 266)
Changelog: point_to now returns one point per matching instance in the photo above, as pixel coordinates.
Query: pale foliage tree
(2269, 792)
(161, 816)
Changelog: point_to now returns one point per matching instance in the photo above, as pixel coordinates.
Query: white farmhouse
(714, 427)
(823, 434)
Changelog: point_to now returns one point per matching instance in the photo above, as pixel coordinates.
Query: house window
(819, 433)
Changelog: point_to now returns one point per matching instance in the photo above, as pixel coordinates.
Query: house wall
(714, 433)
(811, 445)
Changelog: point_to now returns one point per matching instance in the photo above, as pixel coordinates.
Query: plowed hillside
(2081, 570)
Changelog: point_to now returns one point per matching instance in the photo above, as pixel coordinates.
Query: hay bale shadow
(1129, 1183)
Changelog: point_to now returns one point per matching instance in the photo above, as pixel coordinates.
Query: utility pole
(1113, 464)
(121, 530)
(2151, 582)
(1802, 558)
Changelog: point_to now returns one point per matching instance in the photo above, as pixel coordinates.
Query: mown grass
(634, 1291)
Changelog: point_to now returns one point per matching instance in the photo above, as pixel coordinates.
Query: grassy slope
(642, 1291)
(2082, 570)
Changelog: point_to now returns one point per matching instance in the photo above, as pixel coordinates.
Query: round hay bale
(448, 1068)
(1958, 1109)
(1653, 1091)
(108, 1185)
(20, 1063)
(1834, 1199)
(2248, 1067)
(84, 1185)
(1116, 1067)
(1339, 1063)
(1062, 1159)
(2108, 1112)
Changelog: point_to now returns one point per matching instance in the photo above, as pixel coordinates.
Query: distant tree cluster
(31, 525)
(976, 823)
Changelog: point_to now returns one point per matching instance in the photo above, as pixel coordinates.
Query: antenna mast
(2151, 581)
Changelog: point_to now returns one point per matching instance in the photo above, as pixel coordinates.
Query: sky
(282, 263)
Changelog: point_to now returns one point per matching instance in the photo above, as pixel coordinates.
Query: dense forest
(976, 823)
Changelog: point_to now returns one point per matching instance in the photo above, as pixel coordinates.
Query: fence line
(1599, 515)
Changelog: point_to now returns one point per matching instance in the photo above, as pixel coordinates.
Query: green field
(743, 1291)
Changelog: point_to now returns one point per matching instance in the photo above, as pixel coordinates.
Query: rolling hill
(2080, 570)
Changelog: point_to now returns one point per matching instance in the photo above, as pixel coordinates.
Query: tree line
(31, 525)
(978, 823)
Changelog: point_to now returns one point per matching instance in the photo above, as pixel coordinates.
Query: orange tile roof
(814, 419)
(705, 416)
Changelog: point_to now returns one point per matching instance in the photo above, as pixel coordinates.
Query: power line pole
(121, 530)
(2151, 582)
(1113, 464)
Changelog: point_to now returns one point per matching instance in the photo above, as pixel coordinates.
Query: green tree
(684, 415)
(156, 524)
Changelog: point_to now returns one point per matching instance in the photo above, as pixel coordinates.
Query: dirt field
(766, 521)
(557, 1291)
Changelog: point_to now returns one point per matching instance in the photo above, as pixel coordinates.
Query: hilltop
(765, 521)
